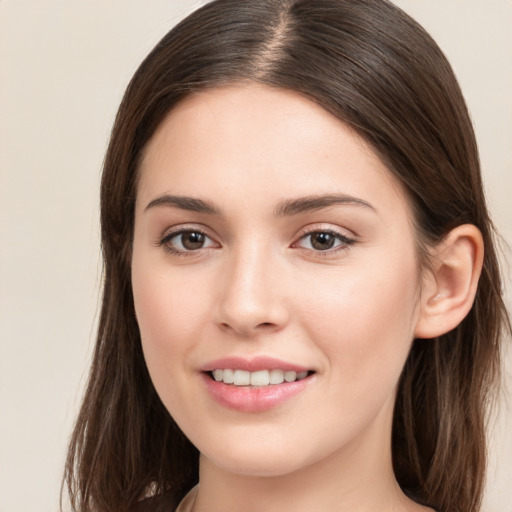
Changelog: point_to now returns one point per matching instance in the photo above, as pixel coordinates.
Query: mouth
(260, 378)
(255, 384)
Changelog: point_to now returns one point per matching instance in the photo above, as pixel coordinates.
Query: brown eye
(322, 241)
(187, 241)
(192, 240)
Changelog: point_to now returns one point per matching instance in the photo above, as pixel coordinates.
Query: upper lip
(252, 364)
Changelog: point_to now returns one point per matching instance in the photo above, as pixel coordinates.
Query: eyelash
(344, 242)
(165, 241)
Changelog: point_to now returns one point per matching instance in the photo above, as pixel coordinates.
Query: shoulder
(167, 503)
(161, 503)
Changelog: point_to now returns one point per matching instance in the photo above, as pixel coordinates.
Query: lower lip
(253, 399)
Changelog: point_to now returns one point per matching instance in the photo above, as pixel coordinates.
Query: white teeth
(258, 378)
(276, 376)
(242, 378)
(290, 376)
(228, 376)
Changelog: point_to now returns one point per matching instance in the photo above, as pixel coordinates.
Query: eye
(324, 241)
(187, 240)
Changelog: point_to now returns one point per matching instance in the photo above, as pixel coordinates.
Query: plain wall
(63, 68)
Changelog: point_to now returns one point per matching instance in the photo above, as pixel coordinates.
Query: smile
(259, 378)
(255, 384)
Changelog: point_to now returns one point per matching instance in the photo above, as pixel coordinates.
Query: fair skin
(266, 228)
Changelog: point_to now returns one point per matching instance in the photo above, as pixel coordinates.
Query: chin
(257, 467)
(260, 459)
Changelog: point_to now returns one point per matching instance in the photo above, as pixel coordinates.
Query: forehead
(246, 140)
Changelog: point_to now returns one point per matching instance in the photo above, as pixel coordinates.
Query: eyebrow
(308, 203)
(185, 203)
(286, 208)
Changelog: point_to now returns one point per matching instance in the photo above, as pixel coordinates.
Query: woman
(302, 305)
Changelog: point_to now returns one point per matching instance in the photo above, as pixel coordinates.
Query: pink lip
(249, 399)
(253, 399)
(252, 365)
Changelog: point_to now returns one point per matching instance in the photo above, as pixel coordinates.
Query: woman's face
(271, 243)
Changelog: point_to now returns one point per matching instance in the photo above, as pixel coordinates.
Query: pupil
(192, 240)
(322, 241)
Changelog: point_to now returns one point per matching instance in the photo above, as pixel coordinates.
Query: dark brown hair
(374, 68)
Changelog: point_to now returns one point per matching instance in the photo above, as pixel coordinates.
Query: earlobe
(449, 289)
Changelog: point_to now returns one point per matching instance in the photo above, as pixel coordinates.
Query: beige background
(63, 67)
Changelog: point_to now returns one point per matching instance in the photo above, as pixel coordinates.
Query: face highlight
(275, 281)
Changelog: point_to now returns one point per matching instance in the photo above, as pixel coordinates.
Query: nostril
(241, 328)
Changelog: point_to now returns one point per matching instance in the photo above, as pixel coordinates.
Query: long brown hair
(376, 69)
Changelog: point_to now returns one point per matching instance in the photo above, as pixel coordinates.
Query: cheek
(163, 312)
(169, 326)
(364, 321)
(169, 319)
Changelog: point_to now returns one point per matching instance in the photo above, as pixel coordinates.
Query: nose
(252, 297)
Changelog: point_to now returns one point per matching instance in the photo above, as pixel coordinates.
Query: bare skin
(265, 227)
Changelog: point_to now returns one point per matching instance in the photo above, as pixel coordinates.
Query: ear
(449, 289)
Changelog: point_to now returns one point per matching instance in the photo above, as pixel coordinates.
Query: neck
(357, 478)
(313, 488)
